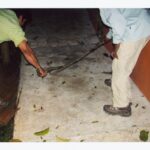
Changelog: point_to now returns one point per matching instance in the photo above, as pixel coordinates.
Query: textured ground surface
(70, 103)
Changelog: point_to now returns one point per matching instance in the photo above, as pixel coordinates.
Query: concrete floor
(71, 102)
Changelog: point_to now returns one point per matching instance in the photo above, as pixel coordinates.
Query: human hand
(117, 47)
(114, 53)
(41, 72)
(22, 20)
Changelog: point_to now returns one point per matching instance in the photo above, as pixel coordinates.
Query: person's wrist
(38, 68)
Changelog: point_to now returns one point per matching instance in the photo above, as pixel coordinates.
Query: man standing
(11, 30)
(130, 32)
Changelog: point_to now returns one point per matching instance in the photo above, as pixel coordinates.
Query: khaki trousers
(122, 67)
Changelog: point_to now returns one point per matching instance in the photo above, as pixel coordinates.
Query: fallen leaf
(144, 135)
(57, 127)
(43, 132)
(95, 121)
(44, 140)
(82, 140)
(61, 139)
(15, 140)
(63, 82)
(74, 76)
(40, 109)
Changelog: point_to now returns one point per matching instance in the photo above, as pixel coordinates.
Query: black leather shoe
(108, 82)
(121, 111)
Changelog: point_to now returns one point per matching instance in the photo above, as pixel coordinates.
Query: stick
(54, 70)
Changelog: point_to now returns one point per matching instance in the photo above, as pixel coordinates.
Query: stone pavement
(70, 103)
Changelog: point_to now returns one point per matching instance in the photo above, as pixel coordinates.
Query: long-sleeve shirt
(10, 30)
(126, 24)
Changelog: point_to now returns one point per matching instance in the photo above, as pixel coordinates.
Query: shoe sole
(122, 115)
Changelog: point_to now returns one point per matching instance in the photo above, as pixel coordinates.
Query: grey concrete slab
(71, 102)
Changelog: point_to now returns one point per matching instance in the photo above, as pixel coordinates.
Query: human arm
(31, 57)
(114, 52)
(12, 31)
(114, 19)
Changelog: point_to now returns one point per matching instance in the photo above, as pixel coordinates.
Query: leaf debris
(95, 121)
(57, 127)
(62, 139)
(144, 135)
(136, 105)
(82, 140)
(42, 133)
(63, 82)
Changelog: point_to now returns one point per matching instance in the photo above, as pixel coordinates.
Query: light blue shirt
(126, 24)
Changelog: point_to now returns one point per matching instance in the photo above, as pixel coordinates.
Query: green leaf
(61, 139)
(43, 132)
(44, 140)
(82, 140)
(95, 121)
(144, 135)
(15, 140)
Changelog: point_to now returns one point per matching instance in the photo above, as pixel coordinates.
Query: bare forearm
(31, 58)
(29, 54)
